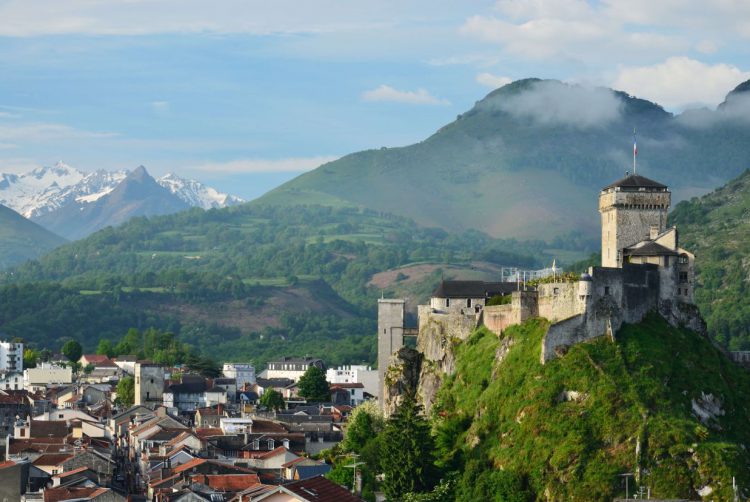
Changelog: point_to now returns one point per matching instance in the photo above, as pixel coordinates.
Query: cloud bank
(388, 93)
(554, 103)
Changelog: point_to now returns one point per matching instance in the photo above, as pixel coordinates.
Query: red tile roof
(189, 465)
(48, 428)
(227, 482)
(52, 458)
(319, 489)
(69, 473)
(60, 494)
(99, 361)
(6, 464)
(270, 454)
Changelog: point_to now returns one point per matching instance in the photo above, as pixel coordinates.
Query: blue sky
(244, 94)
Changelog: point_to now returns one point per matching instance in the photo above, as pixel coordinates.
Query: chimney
(653, 231)
(166, 469)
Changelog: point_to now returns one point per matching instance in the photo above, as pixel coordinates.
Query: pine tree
(407, 460)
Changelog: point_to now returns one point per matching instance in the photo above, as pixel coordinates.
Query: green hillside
(716, 228)
(22, 240)
(517, 430)
(247, 281)
(527, 160)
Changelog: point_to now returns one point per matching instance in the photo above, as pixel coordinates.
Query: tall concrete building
(11, 357)
(633, 209)
(149, 383)
(391, 317)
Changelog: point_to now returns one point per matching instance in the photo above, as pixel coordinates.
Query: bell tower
(633, 209)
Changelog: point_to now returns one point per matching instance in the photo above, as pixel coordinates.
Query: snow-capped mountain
(48, 189)
(196, 193)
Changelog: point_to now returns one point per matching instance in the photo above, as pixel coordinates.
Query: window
(683, 277)
(683, 259)
(666, 261)
(468, 302)
(606, 290)
(256, 445)
(556, 291)
(447, 302)
(270, 444)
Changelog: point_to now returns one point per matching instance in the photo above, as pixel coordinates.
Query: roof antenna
(635, 150)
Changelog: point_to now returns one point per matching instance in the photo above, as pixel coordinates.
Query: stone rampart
(559, 300)
(499, 317)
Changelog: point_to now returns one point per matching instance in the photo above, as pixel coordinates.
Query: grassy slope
(21, 240)
(484, 169)
(716, 228)
(508, 417)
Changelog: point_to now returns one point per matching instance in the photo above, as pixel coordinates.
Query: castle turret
(633, 209)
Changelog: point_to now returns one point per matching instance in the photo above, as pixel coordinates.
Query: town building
(243, 373)
(149, 383)
(11, 357)
(365, 375)
(291, 367)
(45, 374)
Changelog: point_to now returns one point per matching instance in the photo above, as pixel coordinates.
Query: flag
(635, 145)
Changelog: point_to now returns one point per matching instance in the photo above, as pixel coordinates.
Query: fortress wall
(525, 305)
(559, 300)
(498, 317)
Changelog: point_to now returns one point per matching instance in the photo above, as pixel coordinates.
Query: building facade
(149, 383)
(11, 357)
(292, 367)
(243, 373)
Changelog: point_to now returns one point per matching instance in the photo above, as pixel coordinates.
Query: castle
(643, 269)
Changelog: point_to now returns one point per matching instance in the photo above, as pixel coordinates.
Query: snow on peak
(48, 188)
(196, 193)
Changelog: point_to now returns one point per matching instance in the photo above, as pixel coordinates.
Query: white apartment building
(243, 373)
(291, 367)
(365, 375)
(11, 357)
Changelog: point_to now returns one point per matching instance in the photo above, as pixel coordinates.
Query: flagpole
(635, 150)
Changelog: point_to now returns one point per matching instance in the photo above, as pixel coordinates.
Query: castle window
(468, 302)
(683, 277)
(447, 302)
(606, 290)
(666, 261)
(683, 259)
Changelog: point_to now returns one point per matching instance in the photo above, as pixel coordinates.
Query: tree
(88, 368)
(364, 424)
(313, 385)
(72, 350)
(105, 348)
(273, 400)
(406, 452)
(30, 358)
(126, 391)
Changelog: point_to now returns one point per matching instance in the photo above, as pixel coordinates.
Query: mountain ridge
(58, 188)
(523, 161)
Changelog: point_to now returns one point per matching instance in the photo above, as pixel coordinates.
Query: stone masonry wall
(558, 301)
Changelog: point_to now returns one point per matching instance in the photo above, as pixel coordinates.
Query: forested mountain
(21, 239)
(247, 281)
(525, 160)
(716, 228)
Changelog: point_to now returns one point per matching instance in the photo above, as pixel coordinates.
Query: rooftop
(473, 289)
(319, 489)
(634, 181)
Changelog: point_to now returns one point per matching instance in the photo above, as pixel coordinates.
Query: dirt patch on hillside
(417, 273)
(244, 314)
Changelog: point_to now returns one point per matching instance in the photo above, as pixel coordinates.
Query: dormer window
(271, 444)
(256, 445)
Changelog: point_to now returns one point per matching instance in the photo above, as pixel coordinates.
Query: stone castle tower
(391, 317)
(633, 209)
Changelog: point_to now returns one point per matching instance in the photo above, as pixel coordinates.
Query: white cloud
(551, 102)
(493, 81)
(287, 165)
(388, 93)
(22, 18)
(7, 146)
(680, 81)
(160, 107)
(40, 131)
